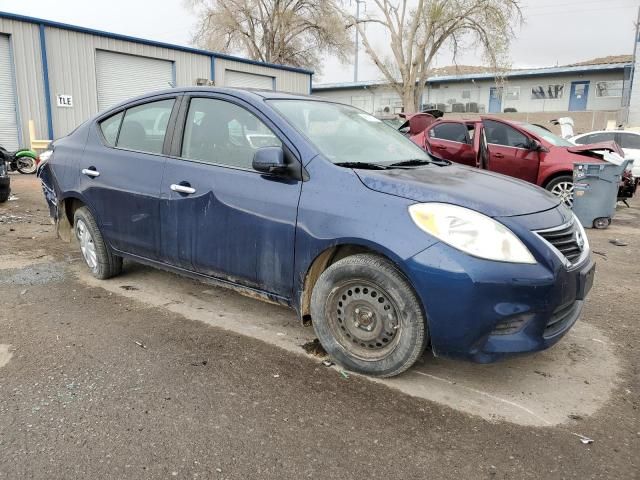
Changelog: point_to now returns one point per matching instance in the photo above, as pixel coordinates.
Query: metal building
(59, 75)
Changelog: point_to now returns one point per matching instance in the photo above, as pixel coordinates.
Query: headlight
(471, 232)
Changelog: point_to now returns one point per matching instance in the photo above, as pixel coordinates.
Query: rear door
(451, 141)
(121, 172)
(220, 217)
(508, 151)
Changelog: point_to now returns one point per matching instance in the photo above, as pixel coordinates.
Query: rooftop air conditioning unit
(204, 82)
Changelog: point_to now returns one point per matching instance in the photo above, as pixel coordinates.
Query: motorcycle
(23, 160)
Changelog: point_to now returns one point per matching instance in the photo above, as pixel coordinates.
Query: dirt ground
(150, 375)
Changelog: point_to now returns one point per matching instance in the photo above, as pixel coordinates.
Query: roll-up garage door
(121, 76)
(232, 78)
(8, 117)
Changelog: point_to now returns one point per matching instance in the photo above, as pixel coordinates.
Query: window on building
(454, 132)
(110, 128)
(609, 89)
(498, 133)
(512, 93)
(144, 127)
(544, 92)
(466, 94)
(223, 133)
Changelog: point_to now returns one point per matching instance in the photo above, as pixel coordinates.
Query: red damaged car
(521, 150)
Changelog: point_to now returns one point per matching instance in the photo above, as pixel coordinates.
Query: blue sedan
(323, 208)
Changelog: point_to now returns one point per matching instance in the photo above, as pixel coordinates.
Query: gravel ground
(79, 398)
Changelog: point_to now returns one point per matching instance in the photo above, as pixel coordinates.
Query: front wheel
(27, 165)
(562, 187)
(367, 316)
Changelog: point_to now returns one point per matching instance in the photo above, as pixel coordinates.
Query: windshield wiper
(365, 165)
(416, 162)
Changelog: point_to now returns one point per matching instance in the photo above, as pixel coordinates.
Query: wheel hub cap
(87, 246)
(364, 319)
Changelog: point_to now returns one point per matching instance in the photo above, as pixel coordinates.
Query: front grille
(563, 317)
(567, 239)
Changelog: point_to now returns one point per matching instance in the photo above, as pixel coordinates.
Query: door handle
(91, 172)
(441, 147)
(182, 188)
(498, 155)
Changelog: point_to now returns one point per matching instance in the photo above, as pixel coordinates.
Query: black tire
(363, 292)
(556, 186)
(106, 264)
(4, 195)
(27, 165)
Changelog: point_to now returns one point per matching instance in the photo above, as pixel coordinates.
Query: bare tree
(289, 32)
(420, 29)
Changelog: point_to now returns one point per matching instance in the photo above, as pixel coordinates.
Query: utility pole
(357, 44)
(634, 71)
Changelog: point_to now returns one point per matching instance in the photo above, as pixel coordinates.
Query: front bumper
(483, 311)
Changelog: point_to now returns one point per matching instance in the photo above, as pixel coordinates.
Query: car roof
(249, 94)
(607, 131)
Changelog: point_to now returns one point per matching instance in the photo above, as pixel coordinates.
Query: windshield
(345, 134)
(552, 138)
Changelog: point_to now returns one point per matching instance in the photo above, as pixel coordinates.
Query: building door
(579, 96)
(121, 76)
(495, 100)
(233, 78)
(8, 101)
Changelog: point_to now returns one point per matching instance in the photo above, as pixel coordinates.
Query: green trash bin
(595, 192)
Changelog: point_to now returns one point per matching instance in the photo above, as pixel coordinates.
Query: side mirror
(270, 160)
(533, 145)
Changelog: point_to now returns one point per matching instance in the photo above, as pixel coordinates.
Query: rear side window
(500, 134)
(596, 138)
(144, 127)
(454, 132)
(110, 128)
(629, 140)
(222, 133)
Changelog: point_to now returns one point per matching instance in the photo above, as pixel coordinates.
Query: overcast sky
(555, 32)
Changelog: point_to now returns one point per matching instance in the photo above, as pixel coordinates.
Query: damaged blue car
(323, 208)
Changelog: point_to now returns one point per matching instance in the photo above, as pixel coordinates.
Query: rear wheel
(97, 255)
(367, 316)
(562, 187)
(4, 195)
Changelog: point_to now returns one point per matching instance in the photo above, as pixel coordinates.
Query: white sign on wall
(65, 101)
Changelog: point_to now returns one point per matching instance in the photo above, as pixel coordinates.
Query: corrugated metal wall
(25, 43)
(72, 71)
(71, 57)
(286, 81)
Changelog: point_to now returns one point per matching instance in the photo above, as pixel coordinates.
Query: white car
(629, 141)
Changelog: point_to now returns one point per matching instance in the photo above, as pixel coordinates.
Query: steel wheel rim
(364, 319)
(87, 245)
(564, 191)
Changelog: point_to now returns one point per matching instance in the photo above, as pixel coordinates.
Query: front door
(579, 96)
(495, 100)
(121, 173)
(220, 217)
(451, 141)
(508, 151)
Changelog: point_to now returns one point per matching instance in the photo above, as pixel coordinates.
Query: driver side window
(222, 133)
(500, 134)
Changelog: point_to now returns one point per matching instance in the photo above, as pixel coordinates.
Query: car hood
(596, 147)
(489, 193)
